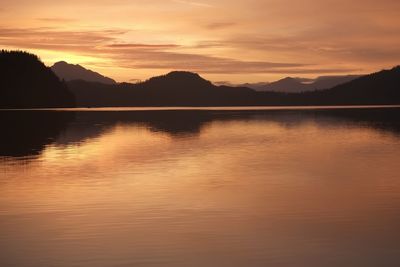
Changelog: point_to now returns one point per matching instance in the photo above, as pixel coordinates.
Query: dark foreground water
(200, 188)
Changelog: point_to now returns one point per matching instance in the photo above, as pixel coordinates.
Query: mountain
(25, 82)
(296, 85)
(327, 82)
(181, 82)
(177, 88)
(286, 85)
(380, 88)
(255, 86)
(69, 72)
(190, 89)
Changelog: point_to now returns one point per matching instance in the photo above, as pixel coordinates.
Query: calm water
(200, 188)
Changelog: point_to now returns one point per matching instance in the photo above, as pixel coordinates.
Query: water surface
(205, 187)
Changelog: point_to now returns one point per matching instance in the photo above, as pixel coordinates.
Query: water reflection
(27, 133)
(203, 188)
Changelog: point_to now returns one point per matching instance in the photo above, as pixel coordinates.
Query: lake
(224, 187)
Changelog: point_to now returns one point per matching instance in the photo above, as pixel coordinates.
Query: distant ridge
(297, 85)
(25, 82)
(181, 88)
(177, 88)
(70, 72)
(379, 88)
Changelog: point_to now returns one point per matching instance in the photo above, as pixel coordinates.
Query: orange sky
(223, 40)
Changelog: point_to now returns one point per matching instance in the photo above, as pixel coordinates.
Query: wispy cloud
(56, 20)
(106, 44)
(169, 57)
(218, 36)
(143, 46)
(192, 3)
(220, 25)
(52, 38)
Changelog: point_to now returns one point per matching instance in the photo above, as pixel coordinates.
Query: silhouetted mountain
(174, 89)
(181, 82)
(256, 86)
(380, 88)
(297, 85)
(69, 72)
(25, 82)
(286, 85)
(327, 82)
(189, 89)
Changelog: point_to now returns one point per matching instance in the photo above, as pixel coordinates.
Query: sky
(233, 41)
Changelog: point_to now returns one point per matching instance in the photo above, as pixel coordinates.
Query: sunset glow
(235, 41)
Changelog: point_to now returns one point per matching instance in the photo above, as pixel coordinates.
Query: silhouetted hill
(179, 81)
(256, 86)
(177, 88)
(189, 89)
(297, 85)
(25, 82)
(326, 82)
(286, 85)
(377, 88)
(69, 72)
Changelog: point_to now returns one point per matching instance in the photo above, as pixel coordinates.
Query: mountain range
(70, 72)
(297, 85)
(25, 82)
(189, 89)
(177, 88)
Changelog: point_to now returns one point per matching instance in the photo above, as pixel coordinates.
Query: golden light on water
(133, 162)
(285, 188)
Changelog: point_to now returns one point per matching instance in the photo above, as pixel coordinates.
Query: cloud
(155, 57)
(206, 64)
(55, 39)
(192, 3)
(219, 36)
(109, 45)
(106, 44)
(209, 44)
(220, 25)
(56, 20)
(143, 46)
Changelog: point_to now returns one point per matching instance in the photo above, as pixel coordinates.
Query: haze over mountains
(70, 72)
(297, 85)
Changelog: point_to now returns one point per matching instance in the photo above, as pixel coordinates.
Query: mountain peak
(70, 72)
(287, 79)
(179, 81)
(61, 63)
(184, 75)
